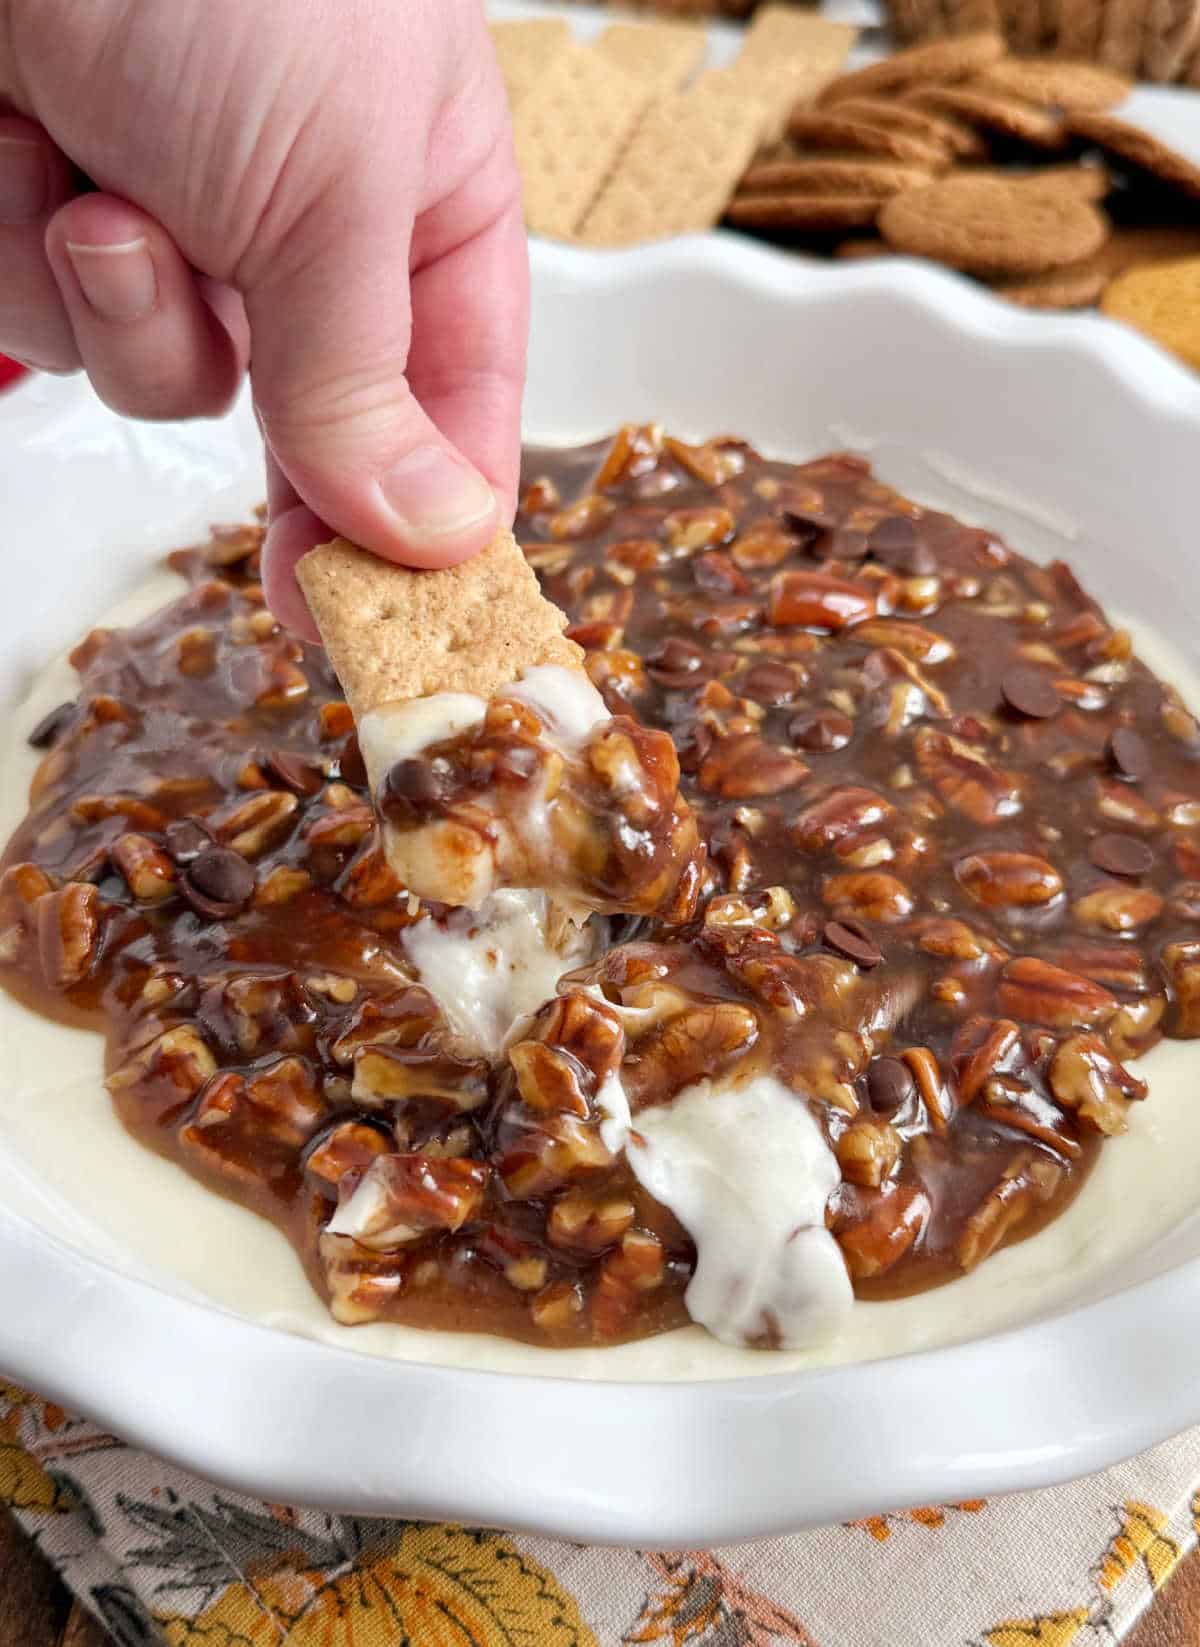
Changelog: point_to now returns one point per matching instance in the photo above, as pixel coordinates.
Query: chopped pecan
(964, 779)
(148, 872)
(252, 826)
(842, 815)
(703, 1041)
(878, 1241)
(738, 768)
(1086, 1078)
(69, 933)
(868, 1151)
(1040, 993)
(403, 1197)
(1181, 962)
(585, 1223)
(386, 1074)
(1029, 1180)
(1008, 880)
(349, 1146)
(1118, 908)
(871, 895)
(814, 600)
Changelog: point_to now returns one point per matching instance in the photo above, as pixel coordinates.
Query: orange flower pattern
(165, 1560)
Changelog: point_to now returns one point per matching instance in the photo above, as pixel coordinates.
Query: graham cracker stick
(787, 59)
(525, 50)
(666, 55)
(570, 128)
(394, 634)
(680, 169)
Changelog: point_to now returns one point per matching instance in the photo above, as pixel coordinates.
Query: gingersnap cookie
(1138, 148)
(1163, 302)
(962, 141)
(1054, 83)
(1077, 286)
(989, 111)
(833, 176)
(810, 213)
(938, 62)
(987, 226)
(816, 129)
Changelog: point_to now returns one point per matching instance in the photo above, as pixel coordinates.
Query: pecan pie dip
(951, 892)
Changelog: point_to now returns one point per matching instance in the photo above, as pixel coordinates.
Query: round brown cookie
(1076, 286)
(816, 129)
(1086, 181)
(1138, 248)
(1006, 116)
(1170, 33)
(1121, 34)
(815, 213)
(852, 175)
(963, 142)
(940, 61)
(861, 247)
(987, 226)
(1162, 301)
(1054, 83)
(1138, 148)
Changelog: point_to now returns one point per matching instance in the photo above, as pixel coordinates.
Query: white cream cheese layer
(746, 1170)
(488, 969)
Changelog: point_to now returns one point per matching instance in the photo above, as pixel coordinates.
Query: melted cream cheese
(68, 1166)
(564, 699)
(398, 731)
(489, 969)
(746, 1170)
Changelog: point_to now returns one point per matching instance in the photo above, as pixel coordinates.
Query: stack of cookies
(1013, 170)
(1148, 39)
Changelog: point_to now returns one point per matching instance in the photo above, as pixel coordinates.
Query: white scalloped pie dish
(1052, 430)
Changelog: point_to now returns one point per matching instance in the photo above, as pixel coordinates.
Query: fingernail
(434, 496)
(24, 180)
(118, 281)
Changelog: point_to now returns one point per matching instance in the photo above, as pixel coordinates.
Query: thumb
(331, 336)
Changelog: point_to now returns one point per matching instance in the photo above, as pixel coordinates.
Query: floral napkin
(161, 1557)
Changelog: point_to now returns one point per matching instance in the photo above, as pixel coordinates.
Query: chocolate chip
(851, 939)
(678, 663)
(842, 543)
(1028, 692)
(186, 838)
(294, 772)
(218, 883)
(413, 791)
(48, 728)
(1121, 855)
(769, 683)
(820, 730)
(895, 544)
(1128, 753)
(890, 1085)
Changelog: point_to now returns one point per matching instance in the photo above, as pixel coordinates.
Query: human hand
(322, 189)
